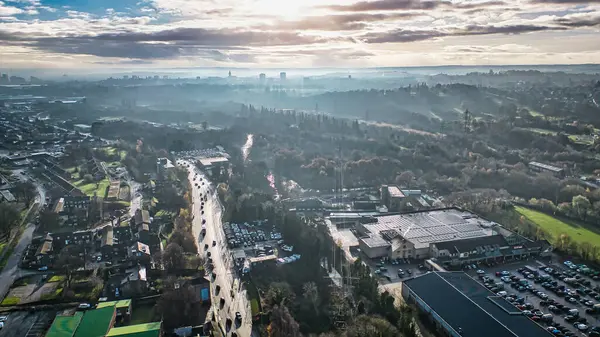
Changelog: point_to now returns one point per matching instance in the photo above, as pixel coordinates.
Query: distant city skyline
(80, 36)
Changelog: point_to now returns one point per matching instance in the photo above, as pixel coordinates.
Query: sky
(82, 35)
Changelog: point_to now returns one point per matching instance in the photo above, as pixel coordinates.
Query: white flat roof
(423, 228)
(211, 161)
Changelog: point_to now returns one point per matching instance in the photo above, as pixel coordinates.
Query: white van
(574, 312)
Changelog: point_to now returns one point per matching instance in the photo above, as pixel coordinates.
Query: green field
(90, 189)
(541, 131)
(582, 139)
(555, 227)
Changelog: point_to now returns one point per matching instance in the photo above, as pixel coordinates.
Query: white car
(480, 272)
(582, 327)
(3, 318)
(502, 293)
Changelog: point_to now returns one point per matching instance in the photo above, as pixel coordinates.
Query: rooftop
(107, 236)
(424, 228)
(546, 166)
(117, 304)
(138, 330)
(142, 217)
(212, 161)
(469, 245)
(395, 192)
(465, 305)
(64, 326)
(6, 195)
(95, 323)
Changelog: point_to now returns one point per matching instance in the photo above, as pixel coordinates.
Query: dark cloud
(402, 35)
(219, 37)
(394, 5)
(564, 1)
(579, 22)
(355, 21)
(166, 44)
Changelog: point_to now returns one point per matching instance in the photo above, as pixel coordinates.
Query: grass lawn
(581, 139)
(90, 189)
(577, 231)
(541, 131)
(57, 278)
(142, 314)
(10, 301)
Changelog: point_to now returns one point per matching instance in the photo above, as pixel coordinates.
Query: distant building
(209, 163)
(6, 196)
(540, 167)
(162, 165)
(392, 197)
(83, 128)
(282, 76)
(262, 77)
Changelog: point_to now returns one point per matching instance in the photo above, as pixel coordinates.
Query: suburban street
(136, 199)
(12, 271)
(231, 291)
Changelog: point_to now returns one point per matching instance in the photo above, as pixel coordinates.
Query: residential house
(79, 238)
(110, 246)
(135, 282)
(44, 253)
(142, 223)
(140, 252)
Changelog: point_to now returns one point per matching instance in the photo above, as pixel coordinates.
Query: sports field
(578, 232)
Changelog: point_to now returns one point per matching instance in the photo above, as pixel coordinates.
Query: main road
(11, 271)
(228, 295)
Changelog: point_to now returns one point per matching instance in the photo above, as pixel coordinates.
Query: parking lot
(27, 324)
(391, 271)
(546, 291)
(248, 234)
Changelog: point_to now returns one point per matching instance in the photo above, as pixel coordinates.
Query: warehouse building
(459, 306)
(541, 167)
(451, 235)
(409, 235)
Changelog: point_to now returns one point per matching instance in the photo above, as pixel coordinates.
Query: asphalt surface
(136, 199)
(535, 301)
(11, 271)
(231, 291)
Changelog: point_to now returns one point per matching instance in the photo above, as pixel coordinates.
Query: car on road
(84, 306)
(3, 318)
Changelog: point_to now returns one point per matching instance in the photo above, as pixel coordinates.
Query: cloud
(402, 36)
(79, 15)
(579, 20)
(395, 5)
(355, 21)
(9, 10)
(567, 2)
(164, 44)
